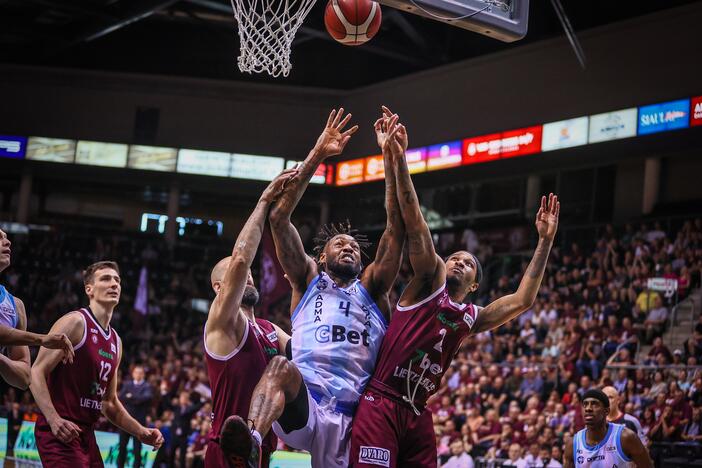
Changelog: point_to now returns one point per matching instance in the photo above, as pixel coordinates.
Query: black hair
(597, 394)
(478, 270)
(331, 230)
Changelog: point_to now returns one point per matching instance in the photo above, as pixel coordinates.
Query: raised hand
(401, 132)
(333, 139)
(547, 217)
(385, 130)
(277, 185)
(59, 341)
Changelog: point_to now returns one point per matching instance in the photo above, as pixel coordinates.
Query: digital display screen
(152, 158)
(662, 117)
(12, 146)
(212, 163)
(613, 125)
(696, 111)
(482, 149)
(521, 142)
(249, 166)
(565, 134)
(416, 160)
(444, 156)
(95, 153)
(375, 168)
(51, 149)
(350, 172)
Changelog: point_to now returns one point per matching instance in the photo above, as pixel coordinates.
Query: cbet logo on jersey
(374, 456)
(339, 334)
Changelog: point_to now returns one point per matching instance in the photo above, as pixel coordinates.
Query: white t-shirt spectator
(461, 461)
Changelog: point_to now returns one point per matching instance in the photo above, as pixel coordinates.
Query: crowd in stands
(512, 394)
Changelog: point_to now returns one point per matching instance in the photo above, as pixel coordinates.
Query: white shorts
(327, 435)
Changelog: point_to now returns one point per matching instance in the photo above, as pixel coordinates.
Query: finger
(543, 203)
(386, 111)
(378, 124)
(344, 122)
(330, 119)
(558, 209)
(337, 118)
(555, 203)
(350, 131)
(550, 202)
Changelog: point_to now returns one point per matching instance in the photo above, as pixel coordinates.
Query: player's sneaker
(238, 444)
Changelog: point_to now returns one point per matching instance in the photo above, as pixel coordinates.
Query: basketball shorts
(326, 434)
(82, 451)
(388, 433)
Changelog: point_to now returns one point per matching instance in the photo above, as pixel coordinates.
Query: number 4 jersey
(419, 345)
(77, 389)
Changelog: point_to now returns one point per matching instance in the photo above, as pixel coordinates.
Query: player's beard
(250, 297)
(453, 281)
(344, 270)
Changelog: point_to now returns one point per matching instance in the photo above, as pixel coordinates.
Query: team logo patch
(322, 284)
(369, 397)
(374, 456)
(95, 340)
(113, 348)
(581, 459)
(272, 336)
(93, 330)
(468, 319)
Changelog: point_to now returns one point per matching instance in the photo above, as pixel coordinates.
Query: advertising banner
(613, 125)
(95, 153)
(152, 158)
(350, 172)
(696, 111)
(51, 149)
(444, 156)
(375, 168)
(564, 134)
(212, 163)
(12, 146)
(250, 166)
(665, 116)
(416, 160)
(319, 176)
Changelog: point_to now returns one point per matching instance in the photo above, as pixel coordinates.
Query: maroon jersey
(419, 345)
(77, 389)
(233, 377)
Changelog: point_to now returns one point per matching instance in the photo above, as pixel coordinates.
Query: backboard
(505, 20)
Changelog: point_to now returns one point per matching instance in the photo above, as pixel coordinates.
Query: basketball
(352, 22)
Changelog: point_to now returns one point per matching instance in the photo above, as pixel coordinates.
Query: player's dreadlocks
(331, 230)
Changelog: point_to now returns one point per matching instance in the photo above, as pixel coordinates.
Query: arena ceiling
(197, 38)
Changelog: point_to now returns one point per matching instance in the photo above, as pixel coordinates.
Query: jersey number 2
(105, 368)
(438, 345)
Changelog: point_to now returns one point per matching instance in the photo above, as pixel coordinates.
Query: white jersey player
(604, 444)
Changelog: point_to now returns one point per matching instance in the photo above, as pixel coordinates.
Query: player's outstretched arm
(298, 266)
(383, 271)
(634, 449)
(229, 298)
(429, 269)
(21, 337)
(72, 326)
(114, 411)
(508, 307)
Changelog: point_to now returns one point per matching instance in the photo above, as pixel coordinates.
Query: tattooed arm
(429, 269)
(382, 272)
(508, 307)
(298, 266)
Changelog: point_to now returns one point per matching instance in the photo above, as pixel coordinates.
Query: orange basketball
(352, 22)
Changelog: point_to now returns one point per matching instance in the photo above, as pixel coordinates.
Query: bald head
(613, 396)
(218, 271)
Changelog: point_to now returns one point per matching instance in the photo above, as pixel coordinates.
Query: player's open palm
(152, 437)
(60, 341)
(334, 138)
(547, 217)
(64, 430)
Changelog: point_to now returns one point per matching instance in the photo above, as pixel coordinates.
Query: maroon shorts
(387, 433)
(82, 451)
(214, 457)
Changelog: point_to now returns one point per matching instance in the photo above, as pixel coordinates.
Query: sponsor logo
(339, 334)
(97, 390)
(374, 456)
(105, 354)
(611, 448)
(369, 397)
(666, 116)
(90, 404)
(318, 303)
(272, 336)
(468, 319)
(12, 146)
(696, 113)
(113, 348)
(502, 145)
(565, 134)
(581, 459)
(613, 125)
(94, 338)
(270, 351)
(443, 319)
(596, 458)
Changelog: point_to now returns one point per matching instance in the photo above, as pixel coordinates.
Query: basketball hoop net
(267, 29)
